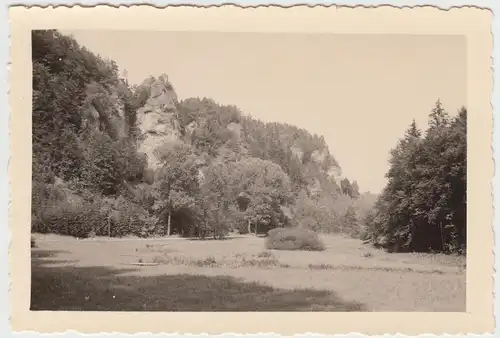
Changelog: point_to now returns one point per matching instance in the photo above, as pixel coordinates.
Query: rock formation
(156, 120)
(104, 110)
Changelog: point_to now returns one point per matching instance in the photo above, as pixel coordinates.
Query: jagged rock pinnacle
(156, 119)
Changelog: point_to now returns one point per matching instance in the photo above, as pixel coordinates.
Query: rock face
(318, 158)
(104, 110)
(157, 119)
(335, 174)
(297, 151)
(118, 119)
(235, 129)
(158, 124)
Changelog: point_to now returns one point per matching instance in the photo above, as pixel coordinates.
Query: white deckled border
(473, 23)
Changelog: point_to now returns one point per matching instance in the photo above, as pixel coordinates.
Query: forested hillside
(114, 159)
(111, 159)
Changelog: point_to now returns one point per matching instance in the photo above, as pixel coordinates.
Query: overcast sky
(359, 91)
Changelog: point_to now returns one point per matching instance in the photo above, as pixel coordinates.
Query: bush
(97, 218)
(124, 216)
(71, 219)
(131, 219)
(33, 242)
(294, 239)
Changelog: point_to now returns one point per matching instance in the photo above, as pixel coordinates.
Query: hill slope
(104, 151)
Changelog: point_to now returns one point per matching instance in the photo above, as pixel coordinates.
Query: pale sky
(359, 91)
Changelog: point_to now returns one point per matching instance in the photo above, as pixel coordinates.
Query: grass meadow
(238, 274)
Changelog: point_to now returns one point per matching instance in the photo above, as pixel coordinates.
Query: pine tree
(423, 205)
(355, 190)
(350, 221)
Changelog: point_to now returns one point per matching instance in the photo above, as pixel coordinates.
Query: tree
(401, 220)
(217, 199)
(346, 187)
(438, 118)
(85, 133)
(316, 213)
(350, 222)
(457, 157)
(423, 206)
(104, 167)
(177, 179)
(267, 188)
(354, 190)
(368, 224)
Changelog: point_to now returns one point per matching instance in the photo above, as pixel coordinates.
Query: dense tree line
(227, 172)
(73, 91)
(79, 136)
(424, 205)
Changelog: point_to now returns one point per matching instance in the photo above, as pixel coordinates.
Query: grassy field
(238, 274)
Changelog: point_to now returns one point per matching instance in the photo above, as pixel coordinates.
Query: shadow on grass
(70, 288)
(41, 257)
(37, 255)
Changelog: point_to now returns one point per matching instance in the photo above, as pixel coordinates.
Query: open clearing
(238, 274)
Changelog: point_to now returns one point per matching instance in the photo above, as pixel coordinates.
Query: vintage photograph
(233, 171)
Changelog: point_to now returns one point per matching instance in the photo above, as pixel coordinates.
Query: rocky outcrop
(190, 128)
(298, 152)
(157, 119)
(158, 123)
(335, 174)
(104, 110)
(235, 129)
(314, 187)
(332, 171)
(318, 157)
(118, 119)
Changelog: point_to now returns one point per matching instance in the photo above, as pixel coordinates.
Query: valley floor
(238, 274)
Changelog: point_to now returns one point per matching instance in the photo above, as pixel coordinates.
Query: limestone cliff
(163, 119)
(104, 110)
(157, 121)
(320, 160)
(332, 171)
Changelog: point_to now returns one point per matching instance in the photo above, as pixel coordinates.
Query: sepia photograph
(180, 182)
(191, 170)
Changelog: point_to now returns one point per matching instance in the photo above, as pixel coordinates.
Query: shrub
(43, 194)
(264, 260)
(207, 262)
(71, 219)
(33, 242)
(97, 218)
(294, 239)
(128, 218)
(260, 262)
(265, 254)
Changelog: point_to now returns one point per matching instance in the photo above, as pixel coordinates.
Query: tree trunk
(442, 236)
(256, 226)
(169, 206)
(168, 222)
(249, 227)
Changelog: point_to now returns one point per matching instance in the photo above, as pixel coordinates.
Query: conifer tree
(423, 206)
